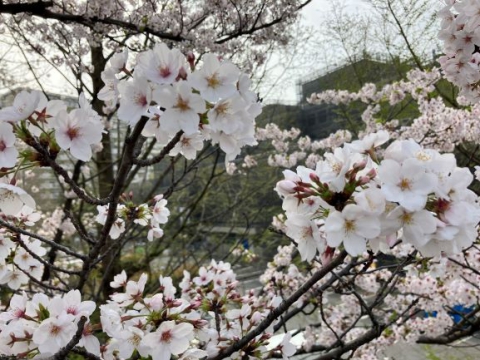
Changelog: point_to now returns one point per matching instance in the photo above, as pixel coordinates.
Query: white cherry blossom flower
(119, 280)
(117, 229)
(204, 277)
(133, 292)
(215, 80)
(161, 65)
(333, 169)
(77, 132)
(226, 115)
(17, 308)
(286, 347)
(131, 339)
(160, 211)
(193, 354)
(109, 93)
(71, 303)
(182, 108)
(407, 184)
(8, 152)
(188, 146)
(23, 258)
(371, 200)
(23, 106)
(54, 333)
(13, 198)
(14, 278)
(369, 142)
(136, 96)
(352, 227)
(306, 234)
(169, 339)
(154, 127)
(118, 61)
(416, 225)
(6, 246)
(154, 232)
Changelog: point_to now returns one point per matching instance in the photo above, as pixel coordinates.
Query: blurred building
(319, 121)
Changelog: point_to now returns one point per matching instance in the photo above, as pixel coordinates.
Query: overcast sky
(285, 89)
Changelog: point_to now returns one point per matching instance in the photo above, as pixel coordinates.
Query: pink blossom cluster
(434, 286)
(353, 198)
(222, 27)
(208, 315)
(143, 215)
(211, 103)
(439, 126)
(32, 117)
(290, 148)
(460, 33)
(418, 85)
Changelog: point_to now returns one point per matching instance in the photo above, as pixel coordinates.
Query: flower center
(166, 336)
(72, 133)
(407, 218)
(164, 71)
(349, 226)
(3, 146)
(55, 329)
(336, 168)
(140, 99)
(135, 340)
(182, 104)
(422, 156)
(213, 81)
(222, 109)
(307, 232)
(405, 184)
(72, 310)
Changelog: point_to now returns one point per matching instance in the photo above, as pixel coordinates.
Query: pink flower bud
(285, 187)
(372, 173)
(363, 180)
(360, 165)
(256, 317)
(327, 256)
(314, 177)
(191, 59)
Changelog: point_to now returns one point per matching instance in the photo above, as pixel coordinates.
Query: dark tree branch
(275, 313)
(62, 354)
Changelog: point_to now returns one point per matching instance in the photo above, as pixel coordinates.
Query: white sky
(285, 90)
(282, 76)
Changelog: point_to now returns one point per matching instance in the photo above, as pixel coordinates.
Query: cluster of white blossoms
(460, 32)
(19, 254)
(209, 309)
(211, 103)
(443, 289)
(34, 119)
(351, 198)
(143, 215)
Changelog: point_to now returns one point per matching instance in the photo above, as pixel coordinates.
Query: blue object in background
(427, 314)
(460, 310)
(245, 244)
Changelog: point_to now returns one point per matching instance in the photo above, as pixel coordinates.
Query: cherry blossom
(13, 198)
(23, 106)
(77, 132)
(216, 80)
(183, 108)
(8, 152)
(352, 227)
